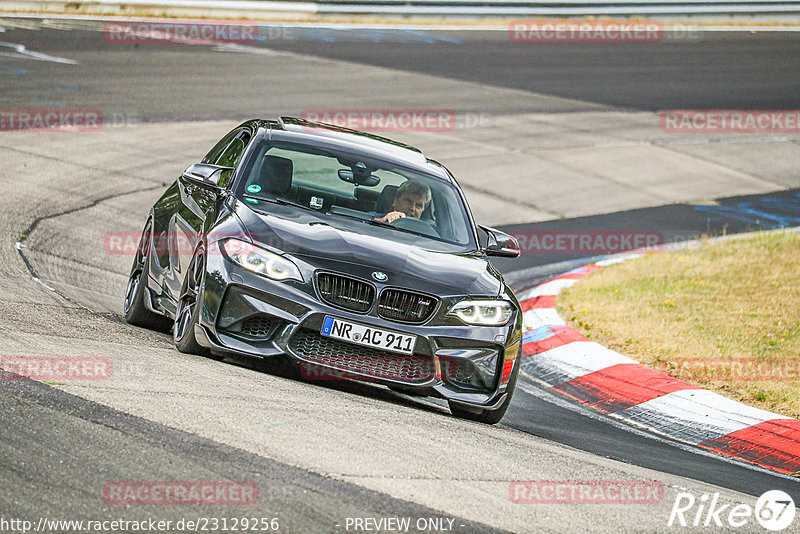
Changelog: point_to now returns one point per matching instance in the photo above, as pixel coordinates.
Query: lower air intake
(348, 358)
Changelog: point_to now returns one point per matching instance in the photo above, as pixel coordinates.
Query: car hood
(323, 246)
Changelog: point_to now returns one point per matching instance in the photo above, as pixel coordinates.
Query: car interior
(275, 175)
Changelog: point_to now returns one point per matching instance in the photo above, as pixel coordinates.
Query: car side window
(231, 155)
(214, 154)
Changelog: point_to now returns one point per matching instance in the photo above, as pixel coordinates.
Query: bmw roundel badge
(379, 276)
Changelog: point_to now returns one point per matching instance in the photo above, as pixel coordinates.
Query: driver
(409, 201)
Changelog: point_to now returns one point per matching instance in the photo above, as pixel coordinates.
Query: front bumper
(243, 313)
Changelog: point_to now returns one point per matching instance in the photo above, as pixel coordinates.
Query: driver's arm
(390, 217)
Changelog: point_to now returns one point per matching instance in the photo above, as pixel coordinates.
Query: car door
(196, 208)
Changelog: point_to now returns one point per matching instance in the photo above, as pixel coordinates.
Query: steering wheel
(415, 225)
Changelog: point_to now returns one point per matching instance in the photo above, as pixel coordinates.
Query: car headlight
(261, 261)
(483, 312)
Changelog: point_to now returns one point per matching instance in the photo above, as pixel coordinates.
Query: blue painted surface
(9, 69)
(351, 35)
(539, 334)
(769, 212)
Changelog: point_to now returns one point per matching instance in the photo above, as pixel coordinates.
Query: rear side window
(228, 153)
(232, 155)
(220, 147)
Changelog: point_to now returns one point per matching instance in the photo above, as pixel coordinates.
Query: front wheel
(489, 417)
(189, 307)
(134, 308)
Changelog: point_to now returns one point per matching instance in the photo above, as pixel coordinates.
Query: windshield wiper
(381, 223)
(404, 230)
(372, 221)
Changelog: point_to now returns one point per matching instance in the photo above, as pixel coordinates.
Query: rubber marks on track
(773, 444)
(611, 383)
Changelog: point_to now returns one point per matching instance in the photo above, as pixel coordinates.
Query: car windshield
(343, 187)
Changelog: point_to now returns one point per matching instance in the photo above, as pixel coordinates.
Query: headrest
(276, 174)
(386, 199)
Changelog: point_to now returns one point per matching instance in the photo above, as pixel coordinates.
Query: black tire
(489, 417)
(189, 308)
(135, 311)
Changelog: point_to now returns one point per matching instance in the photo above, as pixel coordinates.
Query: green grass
(724, 315)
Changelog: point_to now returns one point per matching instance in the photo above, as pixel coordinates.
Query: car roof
(320, 134)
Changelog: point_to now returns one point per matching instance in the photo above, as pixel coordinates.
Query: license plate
(368, 336)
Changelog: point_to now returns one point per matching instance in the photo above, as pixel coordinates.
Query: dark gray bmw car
(351, 254)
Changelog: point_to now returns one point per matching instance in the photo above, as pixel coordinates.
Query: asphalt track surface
(52, 425)
(43, 427)
(725, 70)
(696, 71)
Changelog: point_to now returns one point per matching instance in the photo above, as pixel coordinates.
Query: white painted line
(553, 287)
(571, 361)
(695, 415)
(243, 49)
(20, 51)
(537, 317)
(616, 259)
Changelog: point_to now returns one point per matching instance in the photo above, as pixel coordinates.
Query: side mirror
(204, 174)
(500, 244)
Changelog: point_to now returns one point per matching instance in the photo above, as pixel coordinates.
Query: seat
(276, 174)
(386, 200)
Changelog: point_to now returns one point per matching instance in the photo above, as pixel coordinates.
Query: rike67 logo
(774, 510)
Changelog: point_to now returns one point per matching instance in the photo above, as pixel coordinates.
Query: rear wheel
(134, 308)
(189, 308)
(489, 417)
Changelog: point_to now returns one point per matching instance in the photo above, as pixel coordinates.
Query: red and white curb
(566, 362)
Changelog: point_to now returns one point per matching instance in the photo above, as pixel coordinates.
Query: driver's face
(410, 204)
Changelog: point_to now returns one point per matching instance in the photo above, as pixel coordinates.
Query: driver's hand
(391, 217)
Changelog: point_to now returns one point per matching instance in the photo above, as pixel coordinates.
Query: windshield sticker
(254, 188)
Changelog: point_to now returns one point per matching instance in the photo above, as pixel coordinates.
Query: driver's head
(411, 198)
